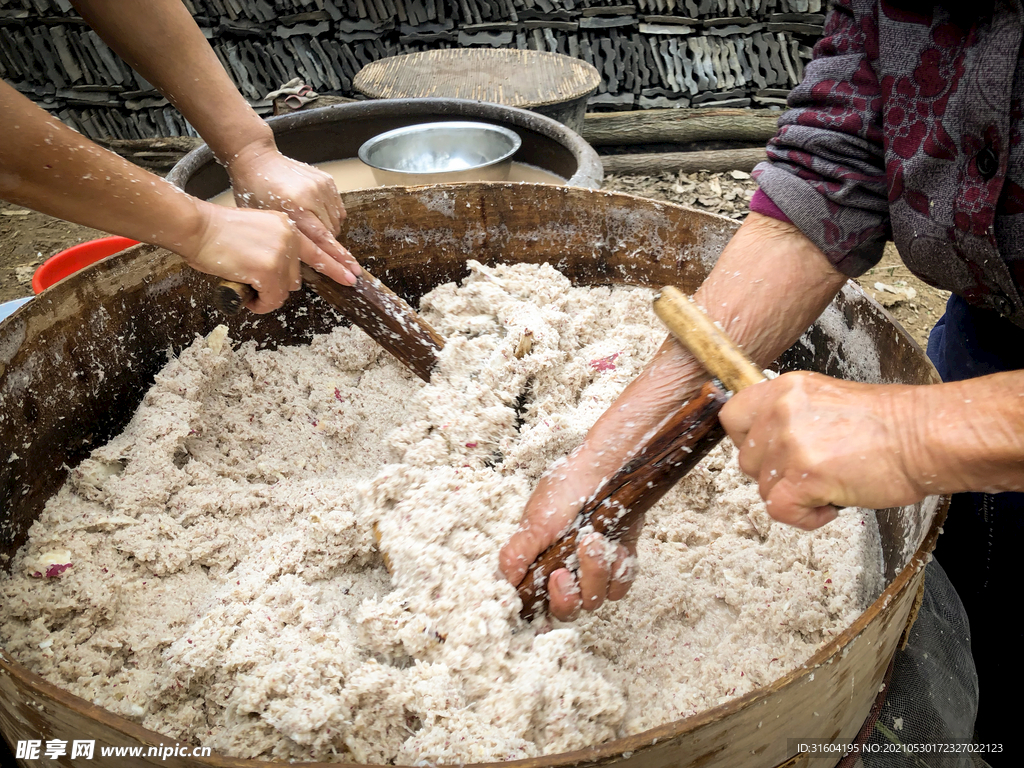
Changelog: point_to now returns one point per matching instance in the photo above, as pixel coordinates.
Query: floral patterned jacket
(907, 125)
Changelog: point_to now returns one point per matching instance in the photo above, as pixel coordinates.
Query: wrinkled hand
(812, 441)
(606, 568)
(261, 248)
(264, 178)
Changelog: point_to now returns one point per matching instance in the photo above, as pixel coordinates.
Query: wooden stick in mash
(371, 305)
(679, 444)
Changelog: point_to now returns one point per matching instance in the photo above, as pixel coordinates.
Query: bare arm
(969, 435)
(769, 285)
(46, 166)
(161, 41)
(810, 441)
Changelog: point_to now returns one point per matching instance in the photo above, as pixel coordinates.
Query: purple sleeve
(826, 170)
(761, 203)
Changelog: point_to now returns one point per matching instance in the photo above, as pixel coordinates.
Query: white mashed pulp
(225, 587)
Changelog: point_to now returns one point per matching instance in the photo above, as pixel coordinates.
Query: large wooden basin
(75, 362)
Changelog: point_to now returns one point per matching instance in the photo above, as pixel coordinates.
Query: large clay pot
(336, 132)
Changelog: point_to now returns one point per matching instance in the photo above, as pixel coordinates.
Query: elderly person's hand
(812, 442)
(262, 177)
(606, 569)
(750, 294)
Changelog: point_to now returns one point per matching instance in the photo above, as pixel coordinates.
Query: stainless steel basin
(437, 153)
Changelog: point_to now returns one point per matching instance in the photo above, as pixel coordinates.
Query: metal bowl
(435, 153)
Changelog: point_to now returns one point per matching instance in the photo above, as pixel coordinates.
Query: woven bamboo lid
(500, 75)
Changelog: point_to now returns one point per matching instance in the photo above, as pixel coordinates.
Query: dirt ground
(28, 238)
(916, 305)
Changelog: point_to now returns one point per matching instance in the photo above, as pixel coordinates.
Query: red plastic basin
(65, 263)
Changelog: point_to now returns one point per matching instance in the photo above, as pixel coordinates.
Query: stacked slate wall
(651, 53)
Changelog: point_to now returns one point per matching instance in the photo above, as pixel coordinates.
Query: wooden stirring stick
(705, 340)
(674, 450)
(679, 444)
(371, 305)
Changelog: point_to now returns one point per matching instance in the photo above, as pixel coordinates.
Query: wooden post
(687, 162)
(679, 126)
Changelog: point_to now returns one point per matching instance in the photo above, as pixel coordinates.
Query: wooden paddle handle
(383, 315)
(674, 450)
(230, 296)
(709, 344)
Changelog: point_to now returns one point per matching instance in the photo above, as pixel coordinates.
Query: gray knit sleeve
(826, 166)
